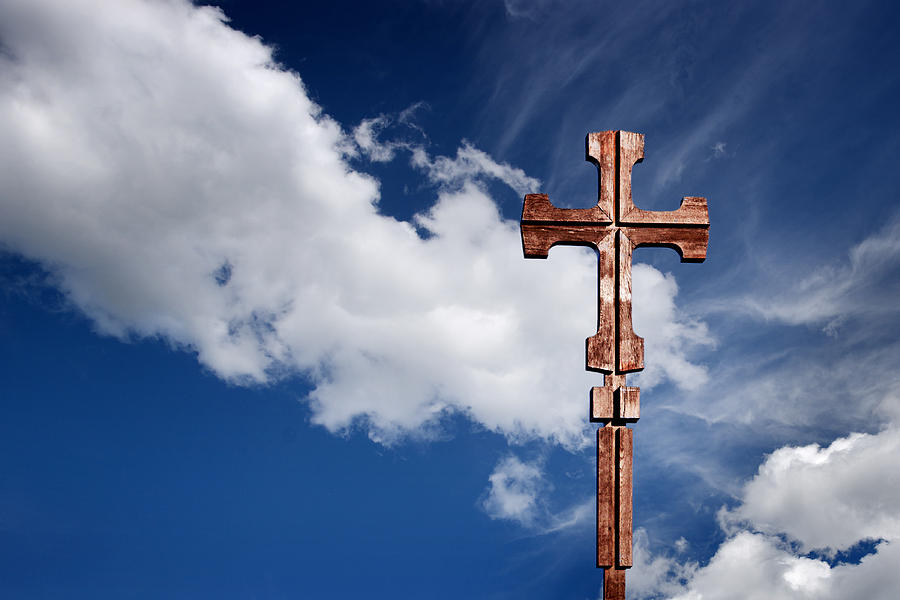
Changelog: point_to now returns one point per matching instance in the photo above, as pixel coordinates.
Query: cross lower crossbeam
(615, 227)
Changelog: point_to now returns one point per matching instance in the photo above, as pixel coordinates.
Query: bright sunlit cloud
(186, 187)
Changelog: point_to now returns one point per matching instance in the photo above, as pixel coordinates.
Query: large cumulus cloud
(176, 182)
(805, 511)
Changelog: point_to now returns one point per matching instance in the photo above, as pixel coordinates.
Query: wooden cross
(615, 227)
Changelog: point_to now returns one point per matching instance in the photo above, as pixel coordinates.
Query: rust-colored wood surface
(686, 230)
(614, 583)
(615, 448)
(606, 497)
(624, 454)
(615, 227)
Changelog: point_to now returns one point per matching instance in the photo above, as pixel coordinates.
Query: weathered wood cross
(615, 227)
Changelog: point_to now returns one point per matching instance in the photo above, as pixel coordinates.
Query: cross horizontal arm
(692, 211)
(689, 242)
(538, 208)
(537, 239)
(544, 226)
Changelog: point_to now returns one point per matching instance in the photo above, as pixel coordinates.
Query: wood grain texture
(601, 347)
(630, 350)
(615, 449)
(615, 403)
(538, 238)
(544, 225)
(606, 499)
(690, 244)
(624, 520)
(602, 404)
(628, 403)
(601, 150)
(614, 584)
(538, 209)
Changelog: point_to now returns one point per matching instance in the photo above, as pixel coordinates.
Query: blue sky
(267, 332)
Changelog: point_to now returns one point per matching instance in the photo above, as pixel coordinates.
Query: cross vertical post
(615, 227)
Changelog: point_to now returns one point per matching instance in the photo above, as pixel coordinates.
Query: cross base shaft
(615, 446)
(613, 584)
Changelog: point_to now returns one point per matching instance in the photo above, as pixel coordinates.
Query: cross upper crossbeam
(615, 227)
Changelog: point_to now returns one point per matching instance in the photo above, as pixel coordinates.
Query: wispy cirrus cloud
(862, 289)
(826, 497)
(471, 163)
(519, 491)
(809, 358)
(842, 372)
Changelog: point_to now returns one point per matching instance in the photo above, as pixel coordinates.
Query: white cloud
(865, 286)
(178, 184)
(809, 498)
(573, 517)
(518, 491)
(366, 137)
(471, 163)
(652, 576)
(514, 491)
(844, 378)
(754, 566)
(854, 484)
(672, 332)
